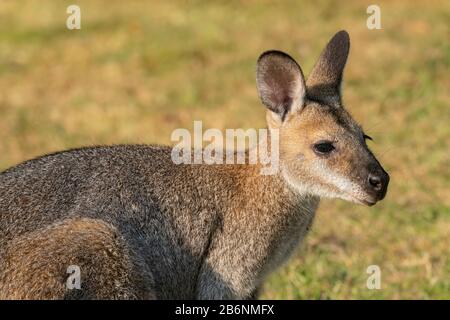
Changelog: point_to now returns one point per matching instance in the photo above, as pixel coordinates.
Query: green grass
(135, 72)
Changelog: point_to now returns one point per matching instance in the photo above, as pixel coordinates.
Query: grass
(135, 72)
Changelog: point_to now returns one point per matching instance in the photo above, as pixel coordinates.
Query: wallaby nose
(375, 182)
(378, 182)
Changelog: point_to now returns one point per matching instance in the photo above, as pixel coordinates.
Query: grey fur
(199, 232)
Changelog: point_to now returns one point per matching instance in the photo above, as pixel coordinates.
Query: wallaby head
(323, 151)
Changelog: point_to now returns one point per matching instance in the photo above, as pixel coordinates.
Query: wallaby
(139, 226)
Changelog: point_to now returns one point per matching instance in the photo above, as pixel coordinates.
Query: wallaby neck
(267, 182)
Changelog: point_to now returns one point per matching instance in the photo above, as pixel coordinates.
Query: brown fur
(93, 245)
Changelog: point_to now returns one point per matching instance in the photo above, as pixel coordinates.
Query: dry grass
(136, 71)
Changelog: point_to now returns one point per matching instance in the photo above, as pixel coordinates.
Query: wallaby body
(141, 227)
(186, 238)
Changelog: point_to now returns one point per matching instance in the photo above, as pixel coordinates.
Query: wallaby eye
(323, 147)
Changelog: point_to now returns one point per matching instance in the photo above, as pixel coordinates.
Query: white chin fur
(348, 190)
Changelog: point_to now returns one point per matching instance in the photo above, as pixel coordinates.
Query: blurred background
(137, 70)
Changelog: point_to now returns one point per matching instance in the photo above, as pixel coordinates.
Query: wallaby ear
(324, 82)
(280, 82)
